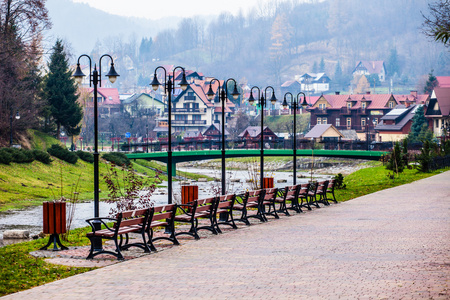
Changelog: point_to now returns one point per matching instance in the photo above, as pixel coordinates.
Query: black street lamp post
(11, 117)
(95, 77)
(294, 105)
(223, 95)
(146, 127)
(262, 96)
(169, 89)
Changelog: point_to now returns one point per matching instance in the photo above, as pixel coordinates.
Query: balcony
(187, 110)
(190, 98)
(189, 122)
(362, 111)
(345, 111)
(321, 111)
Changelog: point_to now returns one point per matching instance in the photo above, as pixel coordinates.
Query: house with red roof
(438, 110)
(108, 101)
(369, 67)
(356, 112)
(193, 111)
(396, 124)
(443, 81)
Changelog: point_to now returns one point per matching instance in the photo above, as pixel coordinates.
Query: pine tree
(417, 127)
(431, 83)
(322, 65)
(60, 90)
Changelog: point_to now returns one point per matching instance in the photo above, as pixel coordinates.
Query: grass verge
(21, 271)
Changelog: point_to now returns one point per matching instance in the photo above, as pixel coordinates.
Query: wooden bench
(270, 194)
(322, 192)
(133, 221)
(163, 216)
(225, 211)
(312, 197)
(250, 200)
(303, 195)
(191, 212)
(289, 194)
(330, 190)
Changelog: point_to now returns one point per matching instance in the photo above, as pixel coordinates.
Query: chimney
(368, 93)
(407, 103)
(414, 94)
(337, 93)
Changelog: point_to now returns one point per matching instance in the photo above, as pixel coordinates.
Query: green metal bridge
(184, 156)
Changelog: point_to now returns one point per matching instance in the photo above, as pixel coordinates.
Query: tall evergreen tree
(430, 84)
(322, 65)
(60, 90)
(419, 127)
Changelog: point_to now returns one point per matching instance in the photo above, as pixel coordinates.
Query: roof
(134, 97)
(214, 127)
(401, 115)
(374, 101)
(317, 77)
(253, 131)
(372, 66)
(289, 83)
(320, 130)
(444, 81)
(443, 99)
(192, 134)
(111, 95)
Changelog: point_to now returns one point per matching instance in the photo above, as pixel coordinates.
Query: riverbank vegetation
(28, 184)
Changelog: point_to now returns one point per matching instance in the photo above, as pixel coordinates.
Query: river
(31, 219)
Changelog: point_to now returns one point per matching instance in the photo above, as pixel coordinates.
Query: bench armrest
(186, 208)
(101, 220)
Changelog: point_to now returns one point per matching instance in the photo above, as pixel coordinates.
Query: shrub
(340, 181)
(86, 156)
(20, 155)
(62, 153)
(5, 156)
(117, 158)
(42, 156)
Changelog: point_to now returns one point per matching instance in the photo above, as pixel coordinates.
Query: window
(349, 105)
(363, 105)
(195, 105)
(338, 122)
(349, 122)
(196, 117)
(180, 117)
(324, 121)
(363, 122)
(391, 104)
(185, 105)
(322, 106)
(319, 120)
(375, 121)
(437, 123)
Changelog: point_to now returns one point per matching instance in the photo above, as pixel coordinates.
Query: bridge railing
(286, 144)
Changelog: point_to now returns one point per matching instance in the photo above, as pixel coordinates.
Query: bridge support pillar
(174, 168)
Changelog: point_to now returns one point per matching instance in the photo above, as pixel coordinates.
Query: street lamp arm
(273, 99)
(79, 74)
(112, 74)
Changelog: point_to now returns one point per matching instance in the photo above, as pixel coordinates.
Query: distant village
(334, 116)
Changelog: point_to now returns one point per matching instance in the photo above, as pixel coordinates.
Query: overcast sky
(157, 9)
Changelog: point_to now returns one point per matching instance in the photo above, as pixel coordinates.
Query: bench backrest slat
(163, 212)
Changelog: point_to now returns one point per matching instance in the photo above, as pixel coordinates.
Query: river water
(31, 219)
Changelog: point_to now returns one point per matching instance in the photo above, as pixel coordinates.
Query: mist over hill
(82, 26)
(271, 44)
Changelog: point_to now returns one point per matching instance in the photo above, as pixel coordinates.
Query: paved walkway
(393, 244)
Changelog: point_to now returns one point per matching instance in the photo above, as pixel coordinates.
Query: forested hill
(280, 39)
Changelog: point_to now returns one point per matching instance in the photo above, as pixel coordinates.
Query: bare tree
(437, 24)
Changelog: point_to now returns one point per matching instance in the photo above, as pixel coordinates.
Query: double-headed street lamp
(223, 95)
(169, 89)
(295, 105)
(11, 117)
(262, 96)
(95, 77)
